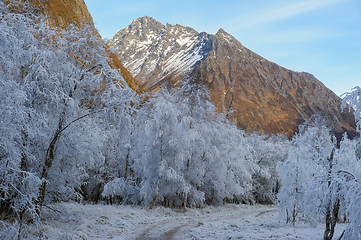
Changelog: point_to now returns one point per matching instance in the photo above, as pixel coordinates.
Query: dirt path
(174, 233)
(181, 225)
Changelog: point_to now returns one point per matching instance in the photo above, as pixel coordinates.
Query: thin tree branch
(64, 128)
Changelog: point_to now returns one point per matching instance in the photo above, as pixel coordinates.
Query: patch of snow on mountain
(167, 50)
(183, 41)
(134, 66)
(130, 44)
(145, 44)
(182, 61)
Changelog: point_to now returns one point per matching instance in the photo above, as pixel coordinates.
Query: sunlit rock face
(63, 13)
(253, 92)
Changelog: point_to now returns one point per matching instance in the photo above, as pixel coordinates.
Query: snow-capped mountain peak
(152, 51)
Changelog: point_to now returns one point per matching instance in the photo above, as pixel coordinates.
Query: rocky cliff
(262, 95)
(62, 13)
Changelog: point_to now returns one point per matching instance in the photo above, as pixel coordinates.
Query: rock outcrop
(62, 13)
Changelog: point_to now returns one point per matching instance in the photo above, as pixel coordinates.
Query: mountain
(262, 95)
(157, 54)
(62, 13)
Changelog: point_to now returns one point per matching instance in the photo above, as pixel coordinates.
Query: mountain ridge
(263, 95)
(152, 33)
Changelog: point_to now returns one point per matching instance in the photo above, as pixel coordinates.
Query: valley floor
(76, 221)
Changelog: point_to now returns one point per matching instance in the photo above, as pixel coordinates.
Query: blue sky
(322, 37)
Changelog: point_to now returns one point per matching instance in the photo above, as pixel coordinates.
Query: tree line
(72, 130)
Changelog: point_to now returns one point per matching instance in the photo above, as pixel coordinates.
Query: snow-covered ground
(76, 221)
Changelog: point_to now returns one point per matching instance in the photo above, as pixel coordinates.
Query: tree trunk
(161, 160)
(327, 234)
(331, 211)
(153, 204)
(212, 198)
(331, 220)
(294, 214)
(342, 235)
(173, 204)
(126, 165)
(185, 194)
(49, 158)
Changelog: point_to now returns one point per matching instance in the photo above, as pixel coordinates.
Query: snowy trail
(174, 233)
(77, 221)
(173, 230)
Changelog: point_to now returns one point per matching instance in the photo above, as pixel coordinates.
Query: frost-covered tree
(160, 161)
(121, 182)
(320, 180)
(219, 167)
(298, 170)
(267, 151)
(119, 150)
(53, 83)
(352, 100)
(353, 200)
(197, 112)
(315, 176)
(15, 152)
(294, 180)
(228, 164)
(18, 187)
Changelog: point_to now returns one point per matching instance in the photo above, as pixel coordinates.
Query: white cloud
(301, 35)
(268, 15)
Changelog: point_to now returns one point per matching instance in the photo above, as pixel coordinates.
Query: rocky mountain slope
(62, 13)
(155, 53)
(262, 95)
